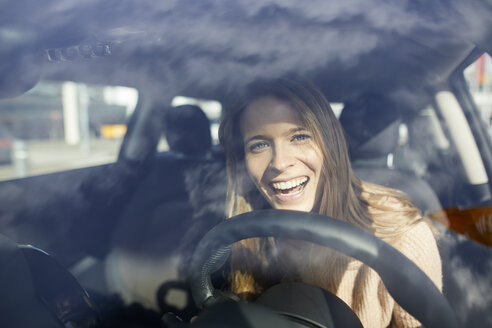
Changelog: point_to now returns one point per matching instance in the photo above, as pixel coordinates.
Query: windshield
(128, 130)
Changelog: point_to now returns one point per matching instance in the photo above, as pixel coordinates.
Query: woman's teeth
(289, 186)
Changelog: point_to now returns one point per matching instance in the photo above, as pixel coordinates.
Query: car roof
(211, 49)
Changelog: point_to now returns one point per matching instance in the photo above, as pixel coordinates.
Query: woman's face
(281, 155)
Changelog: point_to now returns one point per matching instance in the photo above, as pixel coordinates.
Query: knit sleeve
(419, 245)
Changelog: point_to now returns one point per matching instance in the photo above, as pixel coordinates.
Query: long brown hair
(258, 263)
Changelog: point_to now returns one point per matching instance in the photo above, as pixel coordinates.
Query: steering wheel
(405, 282)
(37, 291)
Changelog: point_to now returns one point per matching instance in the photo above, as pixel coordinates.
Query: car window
(337, 108)
(479, 79)
(58, 126)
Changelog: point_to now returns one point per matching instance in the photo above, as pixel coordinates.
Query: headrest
(188, 130)
(371, 125)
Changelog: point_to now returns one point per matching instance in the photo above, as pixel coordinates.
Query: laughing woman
(286, 150)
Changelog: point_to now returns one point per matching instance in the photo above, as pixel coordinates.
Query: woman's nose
(282, 158)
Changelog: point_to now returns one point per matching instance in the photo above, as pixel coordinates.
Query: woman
(286, 150)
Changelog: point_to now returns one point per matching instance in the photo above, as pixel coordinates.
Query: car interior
(123, 239)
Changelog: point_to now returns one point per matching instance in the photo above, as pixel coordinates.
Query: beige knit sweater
(378, 309)
(370, 300)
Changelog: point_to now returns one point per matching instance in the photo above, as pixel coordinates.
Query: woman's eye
(256, 147)
(300, 137)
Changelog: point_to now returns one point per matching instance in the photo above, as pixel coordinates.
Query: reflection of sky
(250, 38)
(467, 279)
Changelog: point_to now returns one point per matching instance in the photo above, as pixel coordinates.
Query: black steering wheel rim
(405, 282)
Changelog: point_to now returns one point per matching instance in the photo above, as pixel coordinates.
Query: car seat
(374, 155)
(179, 200)
(371, 124)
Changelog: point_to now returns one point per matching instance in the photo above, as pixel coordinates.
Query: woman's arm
(419, 245)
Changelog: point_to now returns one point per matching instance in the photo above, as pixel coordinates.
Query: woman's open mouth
(290, 188)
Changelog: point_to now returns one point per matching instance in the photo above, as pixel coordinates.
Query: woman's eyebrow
(263, 137)
(256, 137)
(298, 129)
